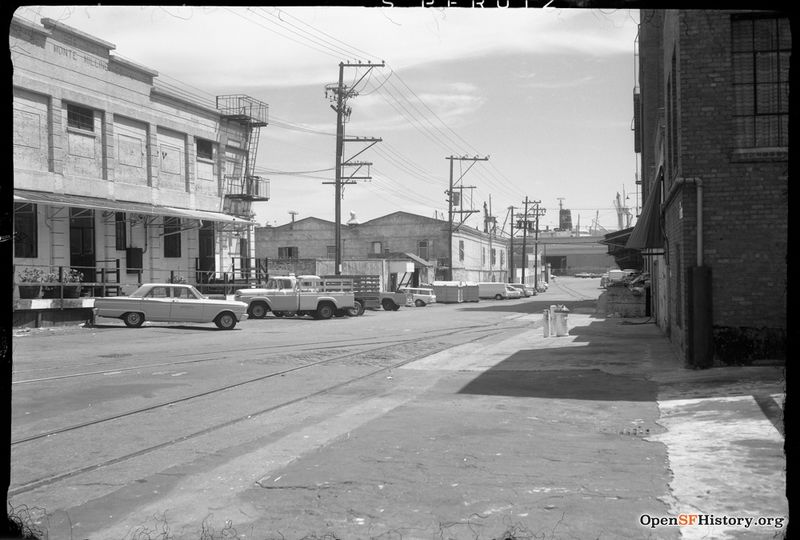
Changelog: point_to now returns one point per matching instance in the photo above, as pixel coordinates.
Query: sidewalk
(522, 436)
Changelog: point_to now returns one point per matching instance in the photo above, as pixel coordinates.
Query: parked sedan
(512, 293)
(524, 291)
(170, 302)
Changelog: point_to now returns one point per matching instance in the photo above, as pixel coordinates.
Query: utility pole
(340, 94)
(511, 276)
(536, 249)
(524, 239)
(450, 203)
(526, 224)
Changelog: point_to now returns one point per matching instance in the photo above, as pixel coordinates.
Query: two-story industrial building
(120, 177)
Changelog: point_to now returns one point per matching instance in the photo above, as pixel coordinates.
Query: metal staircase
(244, 188)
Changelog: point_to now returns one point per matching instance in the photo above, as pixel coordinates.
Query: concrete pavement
(598, 434)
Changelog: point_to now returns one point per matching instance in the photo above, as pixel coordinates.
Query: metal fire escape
(242, 187)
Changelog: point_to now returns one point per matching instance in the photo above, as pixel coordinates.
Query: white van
(496, 290)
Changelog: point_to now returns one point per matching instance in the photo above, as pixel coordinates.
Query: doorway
(205, 252)
(81, 242)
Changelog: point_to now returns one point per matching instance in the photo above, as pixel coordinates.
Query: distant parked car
(512, 293)
(523, 289)
(170, 302)
(420, 296)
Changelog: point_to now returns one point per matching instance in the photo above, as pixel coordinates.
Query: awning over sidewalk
(647, 234)
(96, 203)
(418, 260)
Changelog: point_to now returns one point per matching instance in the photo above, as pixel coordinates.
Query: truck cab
(298, 295)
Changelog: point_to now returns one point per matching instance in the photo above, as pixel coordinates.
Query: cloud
(263, 46)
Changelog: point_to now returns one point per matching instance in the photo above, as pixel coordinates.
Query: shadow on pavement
(586, 384)
(531, 306)
(574, 370)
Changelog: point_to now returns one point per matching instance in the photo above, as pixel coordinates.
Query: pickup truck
(368, 294)
(287, 296)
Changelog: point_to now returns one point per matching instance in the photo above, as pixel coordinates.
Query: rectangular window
(461, 250)
(422, 249)
(25, 231)
(121, 230)
(172, 237)
(205, 149)
(377, 248)
(494, 257)
(331, 252)
(761, 48)
(80, 118)
(290, 252)
(502, 259)
(483, 256)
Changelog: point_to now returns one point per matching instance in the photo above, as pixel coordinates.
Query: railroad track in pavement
(469, 334)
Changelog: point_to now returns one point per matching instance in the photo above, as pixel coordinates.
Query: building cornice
(51, 24)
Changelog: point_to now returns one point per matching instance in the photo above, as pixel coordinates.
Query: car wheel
(324, 311)
(395, 307)
(498, 297)
(133, 319)
(339, 313)
(278, 313)
(258, 311)
(388, 305)
(357, 310)
(419, 303)
(225, 320)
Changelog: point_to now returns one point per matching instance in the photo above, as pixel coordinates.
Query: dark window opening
(121, 231)
(205, 149)
(80, 118)
(172, 237)
(25, 231)
(289, 252)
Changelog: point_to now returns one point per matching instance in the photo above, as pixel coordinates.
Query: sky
(545, 94)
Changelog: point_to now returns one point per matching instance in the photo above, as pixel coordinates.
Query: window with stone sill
(80, 118)
(761, 49)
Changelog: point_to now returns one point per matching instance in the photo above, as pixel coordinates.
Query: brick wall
(745, 195)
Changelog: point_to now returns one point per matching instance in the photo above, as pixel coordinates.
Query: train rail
(469, 334)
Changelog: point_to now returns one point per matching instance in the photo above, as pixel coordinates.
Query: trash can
(546, 322)
(559, 317)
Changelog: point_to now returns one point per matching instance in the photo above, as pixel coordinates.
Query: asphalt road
(108, 421)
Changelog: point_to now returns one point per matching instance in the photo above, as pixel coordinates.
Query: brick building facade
(712, 129)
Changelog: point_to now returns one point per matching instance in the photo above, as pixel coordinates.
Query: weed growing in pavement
(23, 522)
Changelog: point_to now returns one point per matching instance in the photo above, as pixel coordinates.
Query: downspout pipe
(673, 191)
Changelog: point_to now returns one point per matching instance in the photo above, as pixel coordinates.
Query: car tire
(278, 314)
(324, 311)
(357, 310)
(258, 310)
(388, 305)
(395, 307)
(225, 320)
(498, 297)
(339, 313)
(133, 319)
(419, 303)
